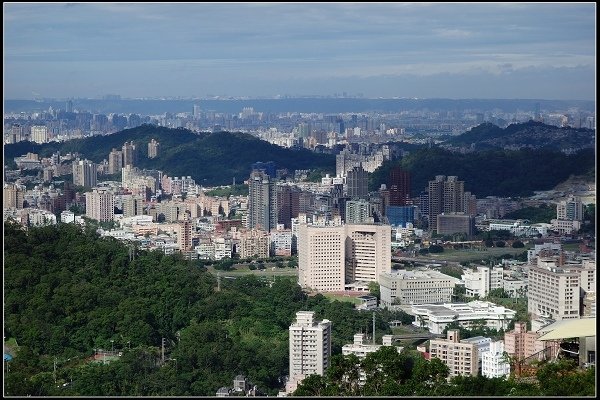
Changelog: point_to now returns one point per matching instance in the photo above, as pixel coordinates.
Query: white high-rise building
(310, 346)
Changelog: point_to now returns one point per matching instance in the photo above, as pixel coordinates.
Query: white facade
(436, 317)
(38, 217)
(481, 281)
(39, 134)
(416, 287)
(361, 348)
(281, 242)
(310, 345)
(493, 364)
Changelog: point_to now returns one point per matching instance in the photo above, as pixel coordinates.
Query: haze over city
(424, 50)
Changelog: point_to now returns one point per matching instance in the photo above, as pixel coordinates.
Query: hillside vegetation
(528, 134)
(493, 172)
(210, 158)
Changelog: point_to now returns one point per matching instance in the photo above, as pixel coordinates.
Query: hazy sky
(462, 50)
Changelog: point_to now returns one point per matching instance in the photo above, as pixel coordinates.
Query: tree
(517, 244)
(374, 289)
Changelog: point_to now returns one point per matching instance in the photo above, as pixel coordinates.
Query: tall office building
(69, 106)
(197, 111)
(399, 187)
(321, 257)
(153, 148)
(39, 134)
(129, 154)
(100, 205)
(262, 201)
(357, 183)
(288, 204)
(329, 257)
(85, 173)
(445, 195)
(368, 252)
(115, 161)
(310, 345)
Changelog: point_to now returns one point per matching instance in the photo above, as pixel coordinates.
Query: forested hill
(491, 173)
(528, 134)
(209, 158)
(68, 292)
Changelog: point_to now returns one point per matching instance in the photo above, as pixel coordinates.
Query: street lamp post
(112, 346)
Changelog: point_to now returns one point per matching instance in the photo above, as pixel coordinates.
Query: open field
(472, 255)
(240, 271)
(341, 297)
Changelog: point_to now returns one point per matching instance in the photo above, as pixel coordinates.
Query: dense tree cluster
(389, 373)
(69, 292)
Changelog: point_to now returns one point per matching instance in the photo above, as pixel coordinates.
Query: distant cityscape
(343, 237)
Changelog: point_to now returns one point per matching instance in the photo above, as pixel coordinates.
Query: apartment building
(100, 205)
(482, 280)
(461, 358)
(553, 289)
(493, 362)
(520, 343)
(310, 347)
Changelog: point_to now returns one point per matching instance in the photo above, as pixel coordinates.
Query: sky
(422, 50)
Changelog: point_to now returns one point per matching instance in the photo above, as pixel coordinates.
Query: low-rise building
(437, 317)
(415, 287)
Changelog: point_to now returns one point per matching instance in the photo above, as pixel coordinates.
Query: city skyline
(424, 50)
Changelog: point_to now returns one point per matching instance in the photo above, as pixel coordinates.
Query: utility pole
(219, 281)
(373, 327)
(163, 350)
(54, 374)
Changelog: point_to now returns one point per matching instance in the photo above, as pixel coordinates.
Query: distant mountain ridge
(532, 134)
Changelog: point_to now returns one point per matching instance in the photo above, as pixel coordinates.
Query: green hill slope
(209, 158)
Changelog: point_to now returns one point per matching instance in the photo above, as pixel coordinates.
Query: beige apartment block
(461, 358)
